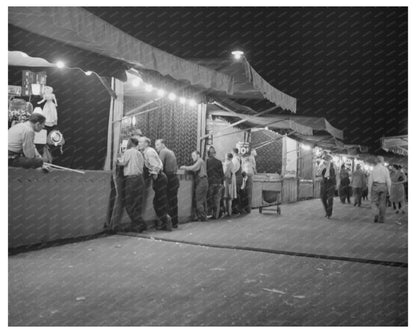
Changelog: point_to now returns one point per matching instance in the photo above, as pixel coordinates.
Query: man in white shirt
(133, 162)
(379, 185)
(238, 179)
(21, 146)
(159, 183)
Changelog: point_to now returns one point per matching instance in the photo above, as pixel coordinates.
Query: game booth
(101, 86)
(288, 147)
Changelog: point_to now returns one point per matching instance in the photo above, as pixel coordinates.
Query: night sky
(348, 65)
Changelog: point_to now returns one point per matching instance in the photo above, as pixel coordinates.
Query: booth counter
(63, 205)
(57, 205)
(184, 201)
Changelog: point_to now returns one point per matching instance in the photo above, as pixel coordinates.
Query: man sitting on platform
(21, 146)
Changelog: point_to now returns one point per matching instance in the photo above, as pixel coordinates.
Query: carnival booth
(286, 145)
(85, 60)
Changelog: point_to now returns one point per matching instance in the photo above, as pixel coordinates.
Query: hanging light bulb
(148, 87)
(182, 100)
(172, 96)
(133, 121)
(136, 82)
(60, 64)
(237, 54)
(192, 102)
(88, 73)
(161, 92)
(305, 147)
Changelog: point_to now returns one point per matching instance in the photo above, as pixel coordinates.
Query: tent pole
(242, 121)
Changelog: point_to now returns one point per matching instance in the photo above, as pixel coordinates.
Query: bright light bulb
(148, 87)
(182, 100)
(136, 82)
(237, 54)
(306, 147)
(60, 64)
(133, 121)
(161, 92)
(172, 96)
(192, 102)
(88, 73)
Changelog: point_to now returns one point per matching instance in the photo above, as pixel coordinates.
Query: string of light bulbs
(138, 82)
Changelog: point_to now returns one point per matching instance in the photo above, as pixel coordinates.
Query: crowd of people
(384, 187)
(221, 189)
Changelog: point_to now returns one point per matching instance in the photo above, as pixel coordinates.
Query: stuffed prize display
(19, 111)
(55, 138)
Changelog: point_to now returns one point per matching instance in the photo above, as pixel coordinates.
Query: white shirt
(236, 164)
(380, 174)
(247, 166)
(133, 162)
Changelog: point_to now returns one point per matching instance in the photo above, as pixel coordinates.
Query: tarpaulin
(248, 84)
(395, 144)
(77, 28)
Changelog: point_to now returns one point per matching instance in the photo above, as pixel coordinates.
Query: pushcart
(270, 198)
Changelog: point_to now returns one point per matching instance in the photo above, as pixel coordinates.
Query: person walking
(358, 184)
(344, 193)
(159, 183)
(132, 161)
(229, 184)
(236, 204)
(201, 184)
(328, 184)
(249, 169)
(215, 174)
(170, 168)
(379, 185)
(397, 194)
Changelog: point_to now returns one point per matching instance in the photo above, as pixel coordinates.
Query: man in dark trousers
(170, 168)
(21, 146)
(159, 183)
(133, 162)
(215, 174)
(237, 170)
(344, 191)
(328, 184)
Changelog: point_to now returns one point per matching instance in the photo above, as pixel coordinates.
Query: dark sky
(346, 64)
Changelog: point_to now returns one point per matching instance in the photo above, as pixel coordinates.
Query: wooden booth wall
(305, 164)
(269, 157)
(177, 124)
(83, 110)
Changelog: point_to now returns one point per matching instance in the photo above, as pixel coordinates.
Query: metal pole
(242, 120)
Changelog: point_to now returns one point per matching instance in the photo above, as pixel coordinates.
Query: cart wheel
(260, 210)
(278, 210)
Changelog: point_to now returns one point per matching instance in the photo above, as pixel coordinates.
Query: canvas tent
(396, 144)
(248, 84)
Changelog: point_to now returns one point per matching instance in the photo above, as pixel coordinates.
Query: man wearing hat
(328, 184)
